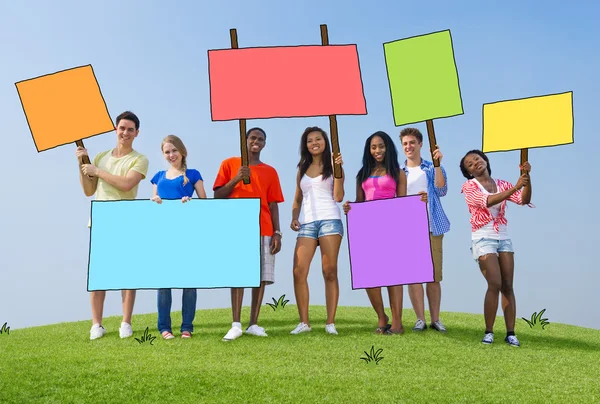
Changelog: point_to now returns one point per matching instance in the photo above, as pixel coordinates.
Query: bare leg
(97, 301)
(434, 289)
(490, 268)
(377, 303)
(396, 293)
(330, 248)
(303, 255)
(507, 269)
(257, 298)
(237, 296)
(417, 299)
(434, 297)
(128, 300)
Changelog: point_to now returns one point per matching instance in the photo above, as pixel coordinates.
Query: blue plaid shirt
(438, 221)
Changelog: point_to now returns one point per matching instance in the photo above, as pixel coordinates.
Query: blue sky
(150, 57)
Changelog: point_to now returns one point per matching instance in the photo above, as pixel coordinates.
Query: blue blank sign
(200, 244)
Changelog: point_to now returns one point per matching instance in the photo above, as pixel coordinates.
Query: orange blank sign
(64, 107)
(285, 82)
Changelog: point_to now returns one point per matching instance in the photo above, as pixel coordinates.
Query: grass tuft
(537, 317)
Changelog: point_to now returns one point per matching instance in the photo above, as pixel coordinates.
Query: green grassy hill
(59, 364)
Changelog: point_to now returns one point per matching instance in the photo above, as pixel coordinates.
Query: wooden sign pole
(335, 144)
(243, 141)
(432, 141)
(84, 159)
(524, 158)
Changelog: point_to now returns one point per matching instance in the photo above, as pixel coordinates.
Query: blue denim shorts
(321, 228)
(485, 246)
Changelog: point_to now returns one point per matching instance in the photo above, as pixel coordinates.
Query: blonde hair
(175, 141)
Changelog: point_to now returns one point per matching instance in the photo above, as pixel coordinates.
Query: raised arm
(224, 191)
(338, 183)
(126, 183)
(88, 184)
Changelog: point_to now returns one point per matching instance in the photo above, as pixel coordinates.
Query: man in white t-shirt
(431, 183)
(114, 175)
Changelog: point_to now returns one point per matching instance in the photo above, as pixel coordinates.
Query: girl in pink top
(491, 246)
(379, 178)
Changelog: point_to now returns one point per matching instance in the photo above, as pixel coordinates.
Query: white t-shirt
(488, 230)
(416, 180)
(317, 200)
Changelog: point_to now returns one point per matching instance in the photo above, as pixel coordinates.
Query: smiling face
(411, 146)
(475, 165)
(315, 143)
(126, 132)
(172, 155)
(378, 149)
(255, 141)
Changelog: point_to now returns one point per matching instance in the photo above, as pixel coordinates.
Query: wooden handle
(524, 158)
(333, 129)
(432, 141)
(84, 159)
(243, 141)
(335, 145)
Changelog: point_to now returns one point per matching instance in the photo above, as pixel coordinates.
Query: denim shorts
(321, 228)
(485, 246)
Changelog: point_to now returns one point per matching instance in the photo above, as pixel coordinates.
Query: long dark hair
(481, 154)
(392, 167)
(306, 158)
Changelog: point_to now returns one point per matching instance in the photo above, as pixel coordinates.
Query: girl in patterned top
(491, 246)
(381, 177)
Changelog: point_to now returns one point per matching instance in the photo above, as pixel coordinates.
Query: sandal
(186, 334)
(383, 330)
(167, 335)
(391, 332)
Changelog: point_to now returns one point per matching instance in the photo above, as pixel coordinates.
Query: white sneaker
(125, 331)
(488, 338)
(97, 331)
(233, 333)
(302, 327)
(330, 329)
(256, 330)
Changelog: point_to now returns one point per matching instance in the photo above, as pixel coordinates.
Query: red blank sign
(285, 82)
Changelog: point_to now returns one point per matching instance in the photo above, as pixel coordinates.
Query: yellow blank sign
(528, 123)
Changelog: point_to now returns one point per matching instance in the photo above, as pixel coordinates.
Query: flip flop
(382, 330)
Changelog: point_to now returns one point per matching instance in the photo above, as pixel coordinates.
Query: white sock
(236, 325)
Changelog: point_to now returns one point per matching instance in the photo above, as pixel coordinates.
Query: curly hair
(464, 170)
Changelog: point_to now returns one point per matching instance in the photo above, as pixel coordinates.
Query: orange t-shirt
(264, 184)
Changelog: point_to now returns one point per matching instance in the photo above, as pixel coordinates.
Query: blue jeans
(188, 310)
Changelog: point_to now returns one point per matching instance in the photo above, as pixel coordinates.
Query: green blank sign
(423, 78)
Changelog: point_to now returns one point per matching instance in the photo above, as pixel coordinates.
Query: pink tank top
(379, 187)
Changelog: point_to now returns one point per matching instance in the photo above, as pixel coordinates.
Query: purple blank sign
(389, 243)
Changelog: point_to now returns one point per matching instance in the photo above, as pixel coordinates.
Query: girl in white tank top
(317, 219)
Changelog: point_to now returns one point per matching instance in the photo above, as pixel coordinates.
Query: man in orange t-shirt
(264, 183)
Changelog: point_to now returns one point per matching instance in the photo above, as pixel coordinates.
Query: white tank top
(317, 200)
